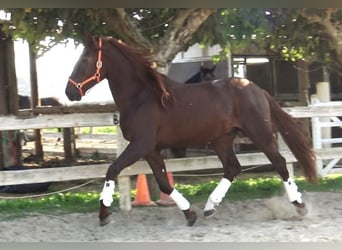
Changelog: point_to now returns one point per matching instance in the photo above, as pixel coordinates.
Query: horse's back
(216, 101)
(50, 101)
(198, 114)
(220, 90)
(24, 102)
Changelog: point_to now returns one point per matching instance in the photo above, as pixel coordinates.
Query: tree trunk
(177, 38)
(331, 29)
(35, 102)
(303, 82)
(10, 147)
(3, 74)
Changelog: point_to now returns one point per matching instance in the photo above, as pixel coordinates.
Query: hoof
(209, 213)
(104, 221)
(190, 216)
(104, 214)
(301, 208)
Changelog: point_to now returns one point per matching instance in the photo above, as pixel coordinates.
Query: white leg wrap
(107, 193)
(292, 191)
(217, 195)
(182, 203)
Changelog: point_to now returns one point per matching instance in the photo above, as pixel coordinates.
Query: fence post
(323, 95)
(316, 136)
(124, 182)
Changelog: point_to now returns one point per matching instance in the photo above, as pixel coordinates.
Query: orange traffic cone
(142, 197)
(165, 199)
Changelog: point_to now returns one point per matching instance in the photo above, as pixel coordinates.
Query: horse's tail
(293, 134)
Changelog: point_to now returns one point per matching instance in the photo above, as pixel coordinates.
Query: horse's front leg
(133, 152)
(157, 165)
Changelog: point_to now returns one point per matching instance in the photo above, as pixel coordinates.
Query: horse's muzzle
(72, 93)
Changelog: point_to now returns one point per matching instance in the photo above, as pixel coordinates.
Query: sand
(259, 220)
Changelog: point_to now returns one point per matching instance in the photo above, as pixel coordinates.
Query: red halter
(97, 74)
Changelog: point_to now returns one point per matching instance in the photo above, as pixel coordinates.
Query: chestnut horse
(157, 112)
(205, 74)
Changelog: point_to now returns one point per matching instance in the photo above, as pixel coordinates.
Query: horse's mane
(142, 62)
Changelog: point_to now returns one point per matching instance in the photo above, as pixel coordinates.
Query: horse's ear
(89, 40)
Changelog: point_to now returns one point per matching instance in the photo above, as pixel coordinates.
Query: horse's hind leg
(264, 139)
(231, 167)
(157, 165)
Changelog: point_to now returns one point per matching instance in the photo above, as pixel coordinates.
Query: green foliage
(152, 22)
(105, 130)
(289, 33)
(293, 34)
(100, 130)
(56, 24)
(60, 24)
(309, 44)
(68, 202)
(242, 26)
(87, 130)
(258, 188)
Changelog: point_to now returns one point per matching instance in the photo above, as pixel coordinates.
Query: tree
(166, 31)
(293, 34)
(329, 34)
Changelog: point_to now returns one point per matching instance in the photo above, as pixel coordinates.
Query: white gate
(321, 138)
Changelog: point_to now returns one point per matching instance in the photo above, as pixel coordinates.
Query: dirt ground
(260, 220)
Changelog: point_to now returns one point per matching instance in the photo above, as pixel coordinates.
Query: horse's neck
(126, 91)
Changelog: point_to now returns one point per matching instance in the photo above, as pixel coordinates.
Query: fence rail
(141, 167)
(12, 122)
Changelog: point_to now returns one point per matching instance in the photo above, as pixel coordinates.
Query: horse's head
(207, 74)
(88, 70)
(24, 102)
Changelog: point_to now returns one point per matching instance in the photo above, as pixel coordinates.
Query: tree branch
(180, 31)
(176, 38)
(331, 30)
(124, 26)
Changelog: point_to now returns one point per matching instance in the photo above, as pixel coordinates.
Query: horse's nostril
(72, 96)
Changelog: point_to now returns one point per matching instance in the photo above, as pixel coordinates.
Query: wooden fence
(173, 165)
